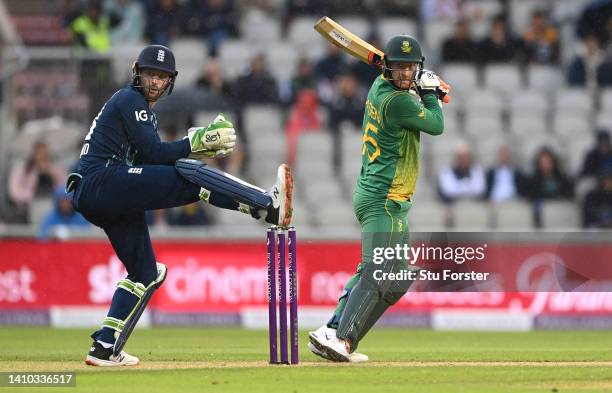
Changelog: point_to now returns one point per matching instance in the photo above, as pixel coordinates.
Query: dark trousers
(116, 199)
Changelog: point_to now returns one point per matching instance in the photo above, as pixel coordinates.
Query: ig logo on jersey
(141, 115)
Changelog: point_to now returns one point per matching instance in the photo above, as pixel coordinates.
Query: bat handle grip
(375, 59)
(446, 98)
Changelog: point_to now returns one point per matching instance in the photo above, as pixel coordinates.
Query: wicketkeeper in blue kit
(125, 170)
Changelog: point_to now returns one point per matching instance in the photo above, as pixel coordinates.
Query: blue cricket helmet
(156, 57)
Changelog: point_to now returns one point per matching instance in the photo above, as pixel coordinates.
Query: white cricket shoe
(314, 350)
(103, 357)
(324, 343)
(357, 357)
(281, 210)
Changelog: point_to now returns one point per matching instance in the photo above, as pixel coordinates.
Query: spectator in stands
(331, 63)
(593, 19)
(326, 70)
(218, 21)
(464, 179)
(597, 206)
(548, 180)
(304, 116)
(35, 177)
(599, 159)
(590, 67)
(131, 24)
(61, 217)
(190, 215)
(346, 106)
(304, 79)
(501, 46)
(163, 21)
(541, 40)
(70, 10)
(257, 86)
(365, 73)
(213, 81)
(91, 30)
(460, 47)
(504, 181)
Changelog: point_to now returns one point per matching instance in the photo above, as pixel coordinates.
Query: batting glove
(428, 82)
(218, 135)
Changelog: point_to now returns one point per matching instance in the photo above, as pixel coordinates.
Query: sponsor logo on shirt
(141, 115)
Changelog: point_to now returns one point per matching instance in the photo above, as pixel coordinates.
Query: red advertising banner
(227, 276)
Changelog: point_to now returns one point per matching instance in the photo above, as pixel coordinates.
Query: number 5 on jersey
(367, 138)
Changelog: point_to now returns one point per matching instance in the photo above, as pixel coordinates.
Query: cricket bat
(355, 46)
(349, 42)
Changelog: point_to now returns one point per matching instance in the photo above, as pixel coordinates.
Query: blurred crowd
(545, 181)
(325, 93)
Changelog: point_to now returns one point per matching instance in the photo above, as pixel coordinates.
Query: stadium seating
(526, 108)
(235, 56)
(487, 102)
(262, 120)
(484, 123)
(566, 126)
(574, 101)
(191, 55)
(257, 27)
(360, 26)
(436, 31)
(426, 215)
(300, 31)
(471, 215)
(462, 77)
(513, 216)
(604, 120)
(544, 78)
(530, 102)
(557, 215)
(351, 156)
(503, 78)
(394, 26)
(606, 100)
(527, 125)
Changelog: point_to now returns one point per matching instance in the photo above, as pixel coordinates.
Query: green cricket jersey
(392, 124)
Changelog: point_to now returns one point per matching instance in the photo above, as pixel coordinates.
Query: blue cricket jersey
(125, 132)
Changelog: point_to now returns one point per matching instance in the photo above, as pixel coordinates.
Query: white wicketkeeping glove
(429, 82)
(218, 135)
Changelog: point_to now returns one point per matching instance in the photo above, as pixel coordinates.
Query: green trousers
(384, 223)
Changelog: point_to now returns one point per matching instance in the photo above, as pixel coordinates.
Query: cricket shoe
(103, 357)
(324, 343)
(281, 210)
(314, 350)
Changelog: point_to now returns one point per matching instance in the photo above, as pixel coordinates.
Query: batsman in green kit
(402, 103)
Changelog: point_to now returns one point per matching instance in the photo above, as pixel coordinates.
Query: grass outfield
(215, 360)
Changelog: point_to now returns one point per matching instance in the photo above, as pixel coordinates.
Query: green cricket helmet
(403, 48)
